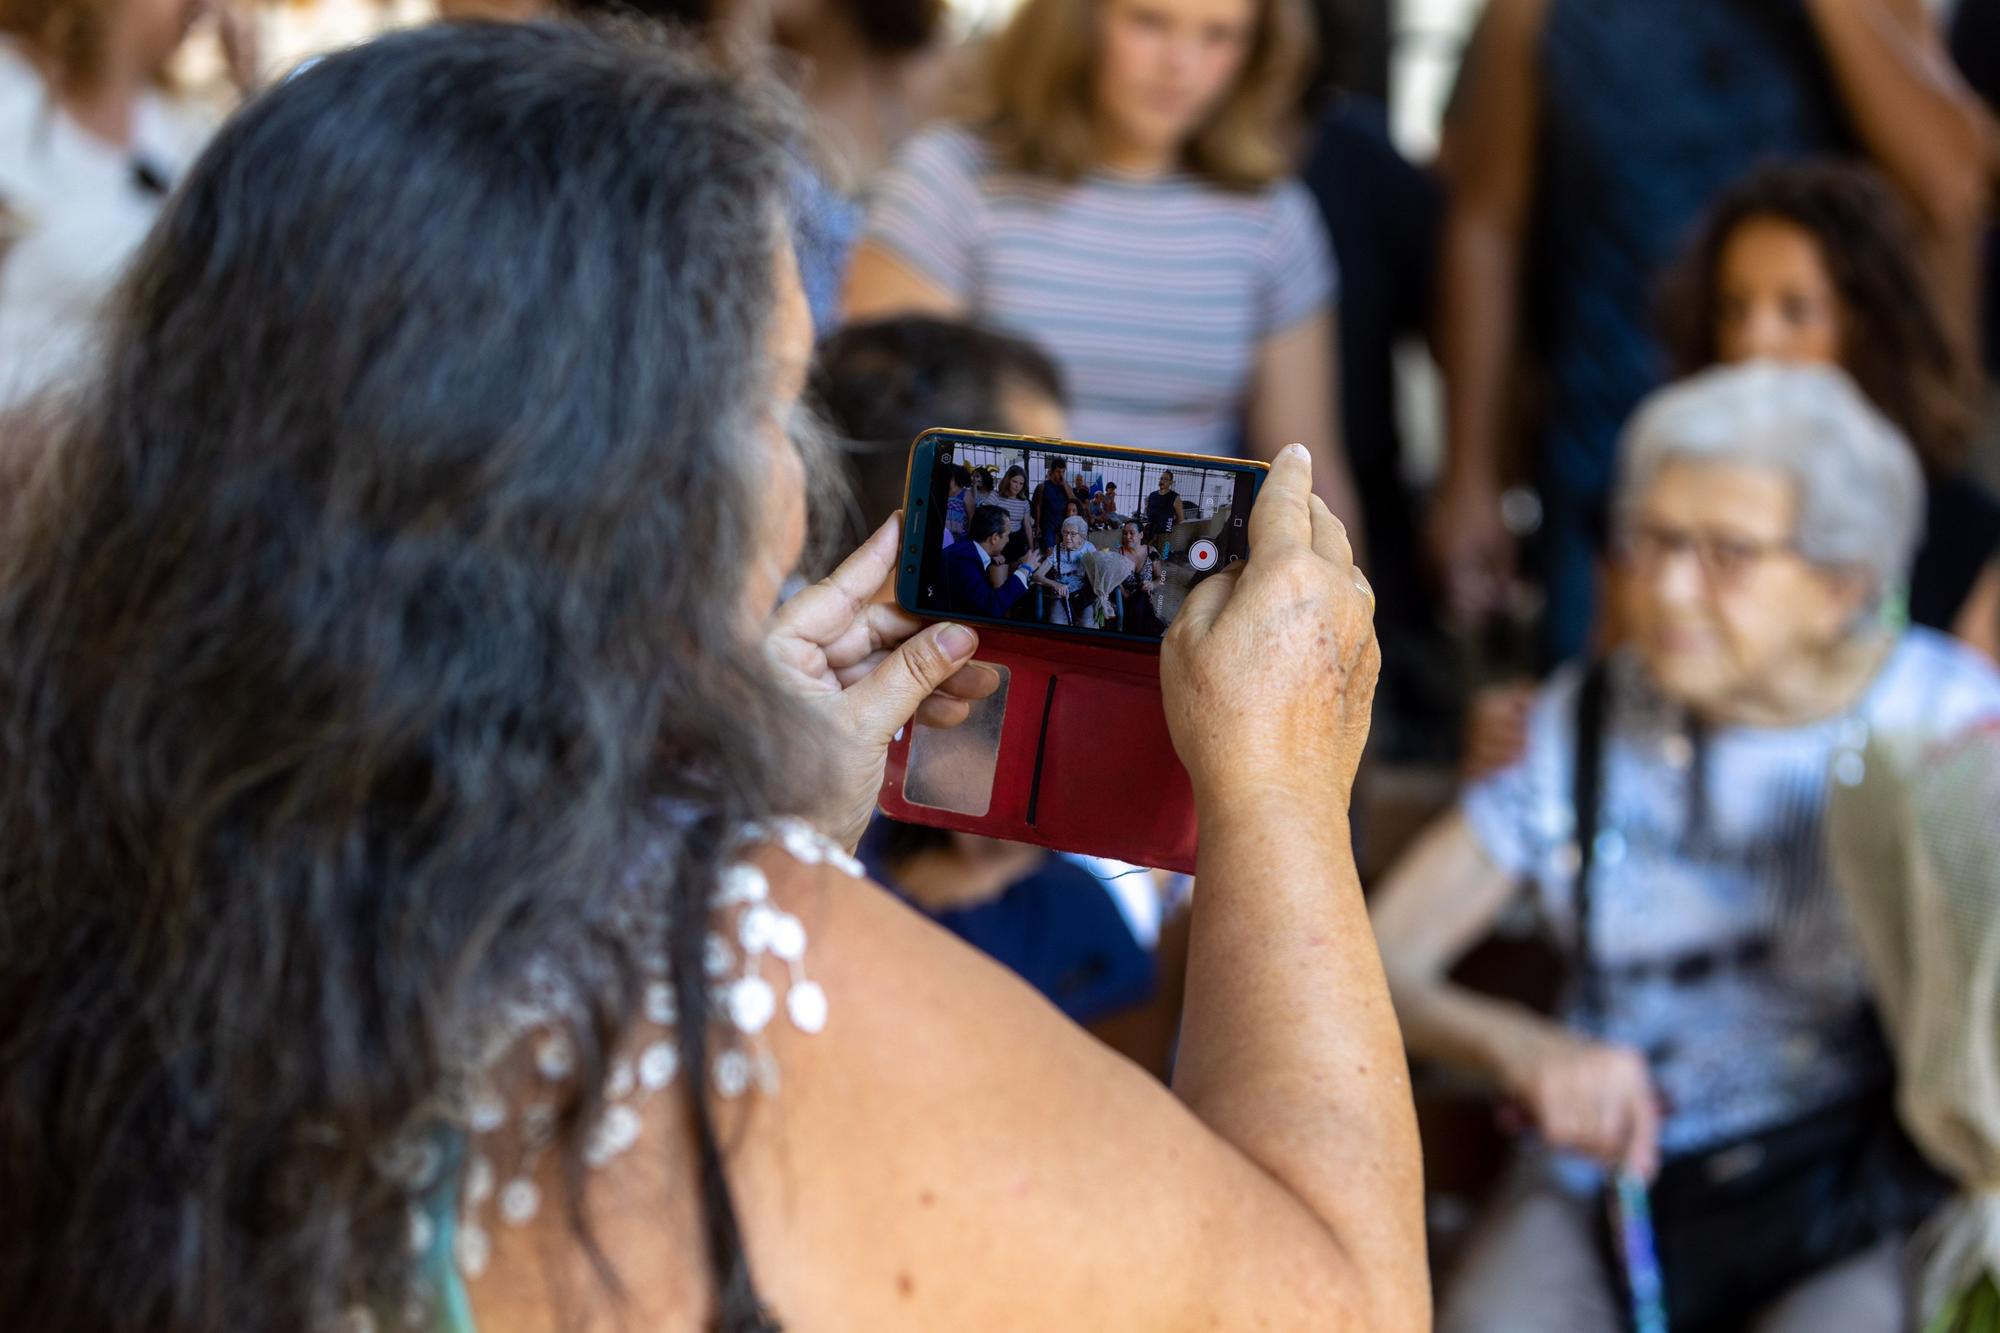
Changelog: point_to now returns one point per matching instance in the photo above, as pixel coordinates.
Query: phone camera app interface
(1098, 543)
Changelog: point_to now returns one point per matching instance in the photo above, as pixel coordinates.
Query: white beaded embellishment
(747, 932)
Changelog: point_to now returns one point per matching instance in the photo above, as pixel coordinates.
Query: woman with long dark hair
(411, 802)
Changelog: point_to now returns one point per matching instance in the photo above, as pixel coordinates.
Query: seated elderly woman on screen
(1060, 576)
(1765, 518)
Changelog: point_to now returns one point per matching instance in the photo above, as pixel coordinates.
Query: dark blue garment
(826, 225)
(1051, 506)
(1383, 215)
(1961, 537)
(1060, 930)
(1649, 111)
(1975, 45)
(966, 588)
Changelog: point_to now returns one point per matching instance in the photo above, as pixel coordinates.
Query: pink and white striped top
(1152, 293)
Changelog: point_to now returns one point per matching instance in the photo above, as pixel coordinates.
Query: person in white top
(89, 148)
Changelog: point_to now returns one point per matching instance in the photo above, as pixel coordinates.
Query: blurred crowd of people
(1714, 288)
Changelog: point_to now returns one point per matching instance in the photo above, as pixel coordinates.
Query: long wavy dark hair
(1894, 338)
(383, 585)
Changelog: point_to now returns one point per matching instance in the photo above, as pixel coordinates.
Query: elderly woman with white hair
(1714, 1052)
(1061, 575)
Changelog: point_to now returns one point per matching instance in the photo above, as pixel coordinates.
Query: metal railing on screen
(997, 458)
(1202, 490)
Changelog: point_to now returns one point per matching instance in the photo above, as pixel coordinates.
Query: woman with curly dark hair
(1817, 261)
(426, 898)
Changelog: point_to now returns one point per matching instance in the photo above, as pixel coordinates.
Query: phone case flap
(1073, 755)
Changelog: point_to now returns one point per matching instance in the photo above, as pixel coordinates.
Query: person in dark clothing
(1052, 500)
(1975, 48)
(1818, 261)
(1046, 917)
(882, 384)
(1163, 511)
(967, 589)
(1585, 138)
(1383, 214)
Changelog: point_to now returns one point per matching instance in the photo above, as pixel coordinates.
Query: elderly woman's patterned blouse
(1725, 952)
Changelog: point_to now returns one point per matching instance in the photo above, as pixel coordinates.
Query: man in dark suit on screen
(967, 588)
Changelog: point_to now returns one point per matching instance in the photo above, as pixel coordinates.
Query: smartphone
(1011, 557)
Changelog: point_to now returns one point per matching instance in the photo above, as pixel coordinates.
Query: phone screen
(1067, 538)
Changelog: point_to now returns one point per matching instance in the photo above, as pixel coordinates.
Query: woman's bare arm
(950, 1152)
(1919, 121)
(1922, 125)
(1296, 396)
(1584, 1096)
(1979, 619)
(1488, 162)
(1441, 899)
(880, 285)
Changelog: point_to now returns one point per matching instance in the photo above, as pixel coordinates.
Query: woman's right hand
(1588, 1097)
(1268, 673)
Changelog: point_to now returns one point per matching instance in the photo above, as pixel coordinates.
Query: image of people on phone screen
(1052, 546)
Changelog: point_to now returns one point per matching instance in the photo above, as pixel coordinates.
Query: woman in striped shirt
(1013, 497)
(1126, 204)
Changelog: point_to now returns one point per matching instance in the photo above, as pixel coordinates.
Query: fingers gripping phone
(1072, 561)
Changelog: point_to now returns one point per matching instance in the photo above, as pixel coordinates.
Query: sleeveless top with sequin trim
(461, 1184)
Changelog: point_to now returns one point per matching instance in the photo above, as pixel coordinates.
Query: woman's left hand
(869, 667)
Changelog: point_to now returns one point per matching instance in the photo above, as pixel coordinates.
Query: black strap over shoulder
(1587, 794)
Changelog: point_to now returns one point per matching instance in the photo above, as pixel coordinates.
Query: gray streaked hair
(1860, 487)
(1076, 525)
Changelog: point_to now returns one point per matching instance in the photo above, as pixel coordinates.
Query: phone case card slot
(952, 768)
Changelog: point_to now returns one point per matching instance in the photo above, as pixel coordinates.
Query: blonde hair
(1041, 74)
(68, 34)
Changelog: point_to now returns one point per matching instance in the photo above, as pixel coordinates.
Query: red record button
(1203, 555)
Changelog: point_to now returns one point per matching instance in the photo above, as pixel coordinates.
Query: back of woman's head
(1895, 341)
(881, 384)
(355, 631)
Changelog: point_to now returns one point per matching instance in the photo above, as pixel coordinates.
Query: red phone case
(1085, 763)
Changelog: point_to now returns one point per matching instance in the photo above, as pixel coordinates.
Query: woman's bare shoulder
(945, 1149)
